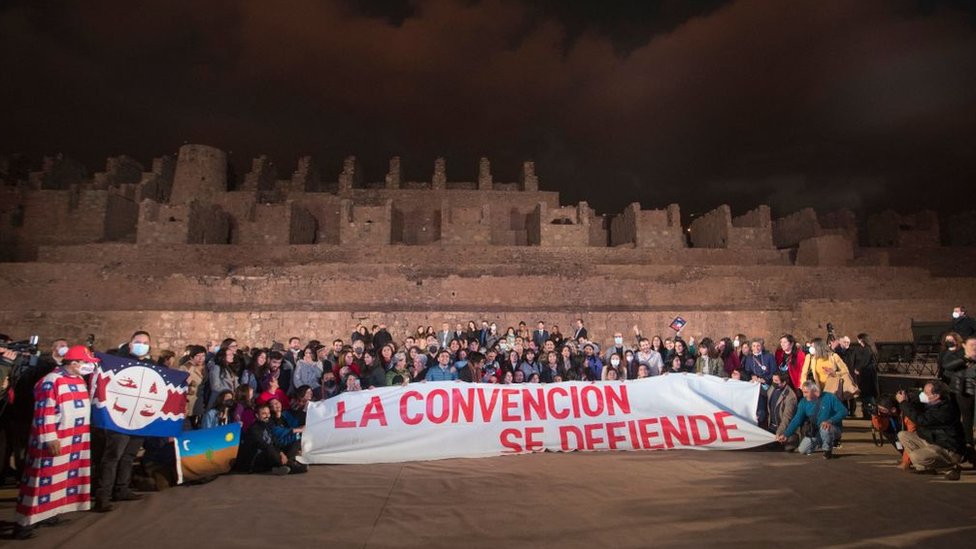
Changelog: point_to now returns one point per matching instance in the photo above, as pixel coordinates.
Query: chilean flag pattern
(55, 484)
(138, 398)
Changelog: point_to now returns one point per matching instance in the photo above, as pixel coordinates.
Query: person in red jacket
(272, 391)
(789, 358)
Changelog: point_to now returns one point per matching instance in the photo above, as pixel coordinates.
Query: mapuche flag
(138, 398)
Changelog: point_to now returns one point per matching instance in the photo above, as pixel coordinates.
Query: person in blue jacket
(825, 412)
(760, 364)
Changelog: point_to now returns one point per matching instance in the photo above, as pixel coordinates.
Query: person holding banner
(442, 371)
(57, 473)
(592, 365)
(648, 356)
(825, 412)
(116, 451)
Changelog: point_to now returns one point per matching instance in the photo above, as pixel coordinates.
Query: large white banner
(439, 420)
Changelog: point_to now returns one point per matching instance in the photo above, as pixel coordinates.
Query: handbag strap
(833, 360)
(816, 411)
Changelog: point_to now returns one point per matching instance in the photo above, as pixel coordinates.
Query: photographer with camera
(938, 442)
(960, 373)
(20, 367)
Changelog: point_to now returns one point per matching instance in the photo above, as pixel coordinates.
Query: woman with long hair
(221, 412)
(243, 412)
(614, 369)
(223, 370)
(529, 365)
(256, 361)
(822, 364)
(657, 344)
(708, 362)
(867, 372)
(387, 357)
(373, 373)
(951, 349)
(681, 351)
(729, 355)
(790, 358)
(567, 359)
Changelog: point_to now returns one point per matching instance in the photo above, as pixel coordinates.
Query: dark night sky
(867, 103)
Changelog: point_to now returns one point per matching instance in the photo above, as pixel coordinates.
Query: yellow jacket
(822, 368)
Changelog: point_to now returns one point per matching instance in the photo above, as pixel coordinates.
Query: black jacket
(964, 326)
(938, 424)
(864, 365)
(258, 452)
(948, 356)
(961, 373)
(381, 338)
(375, 377)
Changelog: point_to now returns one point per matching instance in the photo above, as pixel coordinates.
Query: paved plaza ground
(608, 499)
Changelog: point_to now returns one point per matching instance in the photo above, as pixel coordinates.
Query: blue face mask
(139, 349)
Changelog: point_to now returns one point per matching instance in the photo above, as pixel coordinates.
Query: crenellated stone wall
(304, 256)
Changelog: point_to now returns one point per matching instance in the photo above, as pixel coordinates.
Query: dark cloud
(868, 103)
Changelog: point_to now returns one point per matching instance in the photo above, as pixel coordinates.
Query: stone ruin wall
(172, 250)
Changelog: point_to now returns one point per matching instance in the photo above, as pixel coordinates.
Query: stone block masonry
(175, 251)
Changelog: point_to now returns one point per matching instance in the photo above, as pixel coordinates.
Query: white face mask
(618, 340)
(955, 314)
(86, 369)
(736, 342)
(810, 350)
(139, 349)
(615, 361)
(923, 398)
(63, 350)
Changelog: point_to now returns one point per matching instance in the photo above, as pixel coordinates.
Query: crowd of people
(807, 390)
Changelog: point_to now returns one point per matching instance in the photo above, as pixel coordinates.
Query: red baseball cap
(81, 353)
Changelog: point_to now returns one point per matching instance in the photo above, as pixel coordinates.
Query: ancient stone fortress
(172, 250)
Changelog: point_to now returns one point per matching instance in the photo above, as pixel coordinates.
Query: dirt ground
(609, 499)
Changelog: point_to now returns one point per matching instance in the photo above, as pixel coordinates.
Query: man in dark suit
(444, 336)
(580, 330)
(483, 334)
(540, 335)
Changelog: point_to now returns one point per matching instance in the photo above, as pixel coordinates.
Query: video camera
(25, 347)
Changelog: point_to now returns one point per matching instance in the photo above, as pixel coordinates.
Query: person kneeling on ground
(781, 404)
(937, 442)
(825, 412)
(258, 453)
